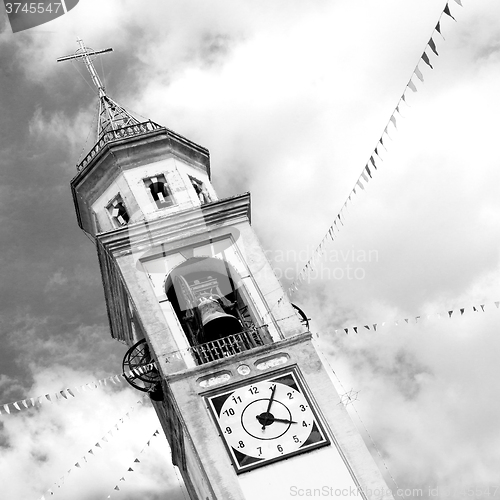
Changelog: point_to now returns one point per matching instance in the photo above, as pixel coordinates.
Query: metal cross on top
(86, 53)
(112, 116)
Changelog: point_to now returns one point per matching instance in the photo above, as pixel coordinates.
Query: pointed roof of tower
(114, 121)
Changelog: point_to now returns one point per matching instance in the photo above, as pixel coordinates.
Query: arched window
(159, 191)
(118, 212)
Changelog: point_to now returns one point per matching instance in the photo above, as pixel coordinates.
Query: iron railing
(115, 135)
(227, 346)
(224, 347)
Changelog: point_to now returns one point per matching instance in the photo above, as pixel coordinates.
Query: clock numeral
(302, 408)
(260, 450)
(236, 399)
(296, 439)
(290, 395)
(253, 390)
(241, 444)
(280, 448)
(304, 424)
(228, 430)
(228, 412)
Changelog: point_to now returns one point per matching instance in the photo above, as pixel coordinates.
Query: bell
(216, 323)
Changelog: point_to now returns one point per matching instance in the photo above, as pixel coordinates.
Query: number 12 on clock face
(266, 420)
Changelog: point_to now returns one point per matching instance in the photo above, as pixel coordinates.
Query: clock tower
(242, 395)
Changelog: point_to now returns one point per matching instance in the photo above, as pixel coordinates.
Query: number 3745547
(33, 7)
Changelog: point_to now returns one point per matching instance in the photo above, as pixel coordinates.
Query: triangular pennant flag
(70, 392)
(360, 185)
(425, 58)
(48, 397)
(382, 143)
(16, 406)
(346, 330)
(412, 86)
(459, 3)
(77, 465)
(137, 461)
(367, 327)
(417, 318)
(116, 488)
(406, 319)
(104, 438)
(482, 307)
(432, 45)
(62, 393)
(368, 170)
(375, 326)
(419, 74)
(497, 304)
(376, 152)
(112, 380)
(450, 313)
(462, 311)
(438, 28)
(156, 433)
(122, 479)
(355, 328)
(98, 445)
(364, 176)
(447, 11)
(373, 160)
(474, 309)
(393, 120)
(32, 401)
(6, 408)
(91, 452)
(25, 404)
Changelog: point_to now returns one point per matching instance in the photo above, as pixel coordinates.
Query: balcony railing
(224, 347)
(115, 135)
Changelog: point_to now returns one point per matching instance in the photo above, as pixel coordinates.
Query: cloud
(41, 446)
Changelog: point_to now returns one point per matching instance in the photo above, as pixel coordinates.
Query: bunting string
(414, 319)
(68, 394)
(374, 159)
(133, 466)
(93, 449)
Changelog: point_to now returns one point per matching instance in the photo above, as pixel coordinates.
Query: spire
(112, 116)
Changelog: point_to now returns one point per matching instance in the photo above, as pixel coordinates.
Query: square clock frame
(266, 419)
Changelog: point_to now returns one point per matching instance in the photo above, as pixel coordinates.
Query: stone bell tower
(245, 402)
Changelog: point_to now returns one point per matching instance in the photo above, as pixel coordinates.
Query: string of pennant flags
(91, 452)
(457, 312)
(69, 393)
(133, 466)
(371, 165)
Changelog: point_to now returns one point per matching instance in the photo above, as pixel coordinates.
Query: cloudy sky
(291, 98)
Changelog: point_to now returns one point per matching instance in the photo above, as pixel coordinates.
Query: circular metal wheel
(138, 356)
(303, 318)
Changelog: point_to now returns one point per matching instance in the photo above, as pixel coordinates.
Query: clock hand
(273, 390)
(284, 421)
(263, 417)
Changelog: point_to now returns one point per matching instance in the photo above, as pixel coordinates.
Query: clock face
(266, 420)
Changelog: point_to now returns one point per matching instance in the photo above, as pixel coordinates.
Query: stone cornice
(176, 227)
